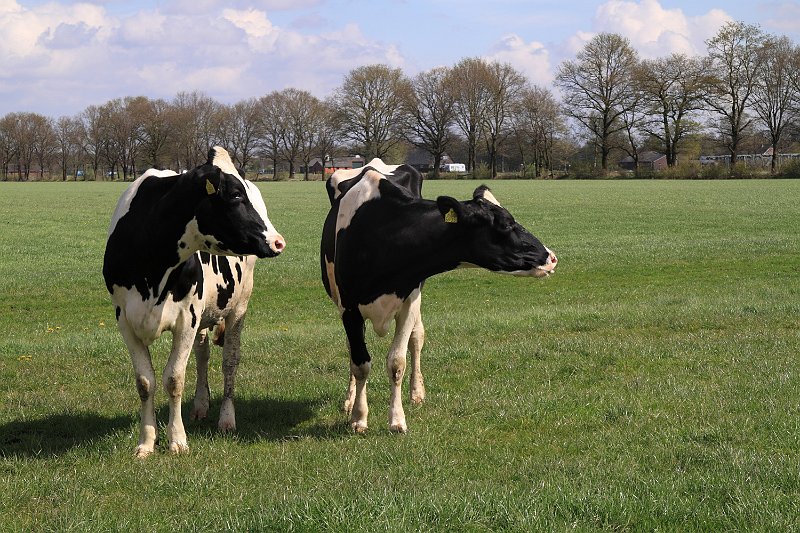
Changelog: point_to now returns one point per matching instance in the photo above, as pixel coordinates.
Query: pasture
(652, 383)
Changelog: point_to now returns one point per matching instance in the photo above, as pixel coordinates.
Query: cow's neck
(436, 249)
(159, 246)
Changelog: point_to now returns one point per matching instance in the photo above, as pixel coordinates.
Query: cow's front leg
(174, 379)
(360, 367)
(145, 386)
(202, 394)
(396, 360)
(230, 363)
(417, 383)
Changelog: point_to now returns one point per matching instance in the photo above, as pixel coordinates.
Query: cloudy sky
(57, 57)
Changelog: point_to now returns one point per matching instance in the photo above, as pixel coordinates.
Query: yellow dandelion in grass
(102, 324)
(24, 358)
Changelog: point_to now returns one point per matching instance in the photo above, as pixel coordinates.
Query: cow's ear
(451, 209)
(483, 192)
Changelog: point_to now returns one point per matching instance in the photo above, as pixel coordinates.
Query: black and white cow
(381, 241)
(180, 256)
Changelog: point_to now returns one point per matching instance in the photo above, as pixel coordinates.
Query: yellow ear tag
(210, 188)
(450, 217)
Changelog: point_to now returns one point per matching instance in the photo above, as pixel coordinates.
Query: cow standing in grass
(381, 241)
(180, 256)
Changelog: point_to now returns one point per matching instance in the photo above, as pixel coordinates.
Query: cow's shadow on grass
(258, 419)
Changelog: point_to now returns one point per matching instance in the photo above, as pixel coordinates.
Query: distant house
(316, 165)
(423, 161)
(647, 161)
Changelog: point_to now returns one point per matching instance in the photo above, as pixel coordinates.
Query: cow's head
(232, 218)
(495, 241)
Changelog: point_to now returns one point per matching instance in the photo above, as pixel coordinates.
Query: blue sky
(58, 57)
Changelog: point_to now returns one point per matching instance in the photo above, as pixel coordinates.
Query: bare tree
(470, 82)
(327, 131)
(673, 88)
(8, 147)
(506, 85)
(370, 105)
(537, 124)
(240, 129)
(157, 130)
(431, 112)
(271, 128)
(733, 64)
(197, 119)
(45, 143)
(296, 137)
(776, 90)
(68, 134)
(93, 135)
(597, 88)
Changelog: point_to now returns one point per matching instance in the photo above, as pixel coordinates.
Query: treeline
(743, 94)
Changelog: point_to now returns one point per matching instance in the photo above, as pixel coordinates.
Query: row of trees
(483, 111)
(748, 83)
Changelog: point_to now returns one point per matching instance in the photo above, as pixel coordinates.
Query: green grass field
(652, 384)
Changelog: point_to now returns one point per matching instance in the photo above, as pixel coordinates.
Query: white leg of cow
(174, 380)
(417, 384)
(360, 412)
(230, 363)
(360, 367)
(145, 386)
(350, 398)
(202, 394)
(396, 360)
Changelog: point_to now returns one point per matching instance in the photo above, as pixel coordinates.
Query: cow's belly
(381, 312)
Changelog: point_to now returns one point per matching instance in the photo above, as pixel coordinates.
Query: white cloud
(532, 59)
(225, 49)
(655, 31)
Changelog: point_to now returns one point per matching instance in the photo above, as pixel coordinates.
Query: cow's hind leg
(174, 380)
(202, 393)
(230, 363)
(417, 384)
(396, 360)
(360, 366)
(145, 386)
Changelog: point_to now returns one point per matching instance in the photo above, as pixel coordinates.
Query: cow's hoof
(399, 427)
(199, 413)
(359, 427)
(142, 451)
(178, 448)
(417, 398)
(227, 426)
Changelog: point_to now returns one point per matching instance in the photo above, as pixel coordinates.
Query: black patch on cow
(228, 286)
(182, 244)
(239, 271)
(194, 316)
(117, 311)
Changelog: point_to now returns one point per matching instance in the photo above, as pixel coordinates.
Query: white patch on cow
(254, 195)
(222, 160)
(345, 174)
(489, 197)
(330, 270)
(146, 319)
(124, 203)
(381, 312)
(362, 192)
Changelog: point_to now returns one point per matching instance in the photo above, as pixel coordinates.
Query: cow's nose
(278, 244)
(550, 265)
